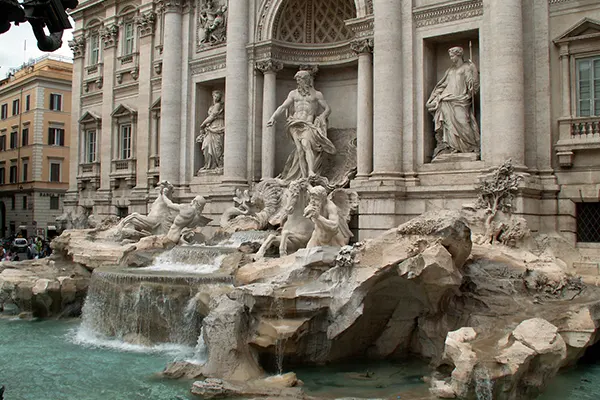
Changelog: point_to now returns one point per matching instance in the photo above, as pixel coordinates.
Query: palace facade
(35, 131)
(144, 72)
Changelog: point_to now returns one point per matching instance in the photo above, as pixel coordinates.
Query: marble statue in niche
(451, 103)
(212, 133)
(306, 127)
(212, 24)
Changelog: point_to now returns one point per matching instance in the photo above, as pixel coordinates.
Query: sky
(12, 47)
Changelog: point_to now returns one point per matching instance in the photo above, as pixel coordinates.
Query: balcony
(576, 134)
(88, 174)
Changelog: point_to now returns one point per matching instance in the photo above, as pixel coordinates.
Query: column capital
(77, 45)
(146, 23)
(362, 46)
(267, 66)
(177, 6)
(110, 35)
(564, 50)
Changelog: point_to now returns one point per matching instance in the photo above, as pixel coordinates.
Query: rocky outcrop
(43, 288)
(280, 386)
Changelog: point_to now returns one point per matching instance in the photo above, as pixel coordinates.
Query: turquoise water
(579, 383)
(46, 360)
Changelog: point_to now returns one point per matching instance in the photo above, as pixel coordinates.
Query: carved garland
(453, 12)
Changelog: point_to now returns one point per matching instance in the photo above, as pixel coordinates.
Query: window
(94, 49)
(54, 203)
(588, 222)
(12, 207)
(122, 212)
(24, 202)
(90, 146)
(25, 137)
(128, 42)
(15, 108)
(25, 169)
(125, 141)
(54, 171)
(3, 142)
(4, 111)
(56, 136)
(27, 102)
(588, 86)
(13, 175)
(56, 102)
(2, 173)
(14, 140)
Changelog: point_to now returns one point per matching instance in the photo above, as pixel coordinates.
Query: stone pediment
(587, 28)
(89, 117)
(123, 111)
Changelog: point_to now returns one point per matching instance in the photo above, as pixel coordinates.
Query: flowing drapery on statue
(306, 127)
(212, 131)
(451, 104)
(315, 136)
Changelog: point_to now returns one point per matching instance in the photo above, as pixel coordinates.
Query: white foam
(87, 338)
(166, 265)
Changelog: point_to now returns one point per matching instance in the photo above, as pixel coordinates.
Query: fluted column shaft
(269, 68)
(170, 120)
(503, 137)
(364, 109)
(236, 94)
(387, 97)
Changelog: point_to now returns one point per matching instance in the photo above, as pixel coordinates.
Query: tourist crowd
(17, 249)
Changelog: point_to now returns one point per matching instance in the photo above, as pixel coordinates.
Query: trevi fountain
(277, 298)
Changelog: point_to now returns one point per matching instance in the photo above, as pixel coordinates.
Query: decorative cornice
(291, 55)
(170, 5)
(77, 45)
(362, 46)
(448, 13)
(266, 66)
(362, 27)
(207, 65)
(146, 22)
(110, 36)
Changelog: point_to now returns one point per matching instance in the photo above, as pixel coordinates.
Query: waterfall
(191, 259)
(280, 341)
(237, 238)
(484, 386)
(145, 308)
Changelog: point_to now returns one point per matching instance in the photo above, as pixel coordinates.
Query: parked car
(20, 245)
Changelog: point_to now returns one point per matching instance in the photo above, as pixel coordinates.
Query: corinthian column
(269, 68)
(387, 96)
(236, 94)
(76, 148)
(503, 129)
(170, 119)
(364, 108)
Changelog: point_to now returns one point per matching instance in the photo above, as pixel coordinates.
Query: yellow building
(35, 118)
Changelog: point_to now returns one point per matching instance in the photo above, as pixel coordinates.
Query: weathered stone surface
(44, 288)
(281, 386)
(226, 330)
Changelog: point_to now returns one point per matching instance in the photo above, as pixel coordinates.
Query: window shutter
(50, 136)
(51, 98)
(61, 137)
(59, 101)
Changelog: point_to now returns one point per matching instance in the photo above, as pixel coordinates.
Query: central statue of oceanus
(306, 127)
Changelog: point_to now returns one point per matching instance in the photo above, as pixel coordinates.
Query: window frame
(24, 135)
(56, 105)
(4, 111)
(594, 97)
(57, 203)
(13, 177)
(90, 146)
(2, 175)
(125, 148)
(50, 164)
(94, 58)
(16, 107)
(28, 102)
(52, 137)
(128, 38)
(14, 140)
(24, 170)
